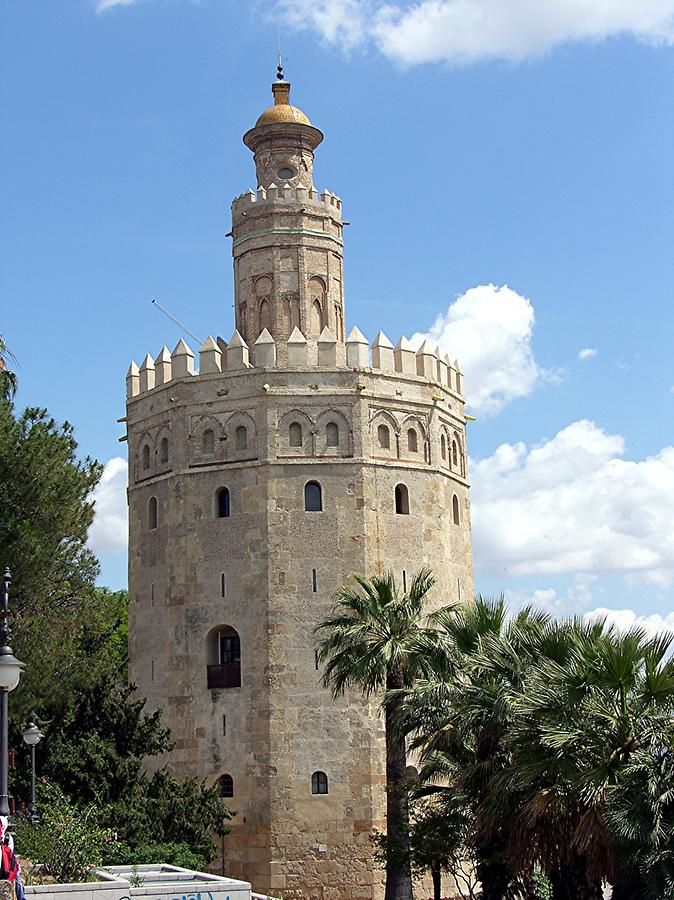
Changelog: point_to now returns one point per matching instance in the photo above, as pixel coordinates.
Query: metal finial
(279, 72)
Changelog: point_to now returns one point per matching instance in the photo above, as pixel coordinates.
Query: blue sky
(476, 146)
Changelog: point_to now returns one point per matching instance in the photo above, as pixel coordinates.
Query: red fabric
(9, 867)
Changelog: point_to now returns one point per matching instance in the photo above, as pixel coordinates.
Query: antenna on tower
(156, 303)
(279, 68)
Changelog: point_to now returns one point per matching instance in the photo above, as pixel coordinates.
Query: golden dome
(282, 112)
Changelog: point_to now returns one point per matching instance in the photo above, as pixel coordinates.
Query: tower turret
(286, 238)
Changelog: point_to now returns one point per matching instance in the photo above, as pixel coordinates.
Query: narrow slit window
(455, 453)
(314, 581)
(332, 434)
(223, 585)
(316, 660)
(152, 675)
(404, 581)
(146, 457)
(412, 442)
(455, 510)
(223, 504)
(152, 514)
(295, 435)
(224, 725)
(402, 500)
(443, 446)
(164, 450)
(152, 593)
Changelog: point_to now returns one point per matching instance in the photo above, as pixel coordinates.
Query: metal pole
(33, 807)
(4, 753)
(4, 704)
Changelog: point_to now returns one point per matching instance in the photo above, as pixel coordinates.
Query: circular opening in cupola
(286, 173)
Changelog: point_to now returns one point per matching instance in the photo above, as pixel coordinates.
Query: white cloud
(588, 353)
(624, 619)
(109, 534)
(489, 328)
(573, 505)
(104, 5)
(575, 597)
(466, 31)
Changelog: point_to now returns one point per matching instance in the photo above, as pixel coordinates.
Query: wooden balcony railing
(225, 675)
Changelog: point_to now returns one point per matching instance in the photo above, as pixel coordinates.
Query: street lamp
(10, 673)
(32, 736)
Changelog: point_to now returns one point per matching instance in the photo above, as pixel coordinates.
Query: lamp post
(10, 673)
(32, 736)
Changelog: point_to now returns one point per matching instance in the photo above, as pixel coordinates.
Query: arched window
(208, 442)
(412, 444)
(313, 497)
(146, 456)
(443, 446)
(455, 453)
(319, 783)
(223, 657)
(164, 450)
(332, 434)
(226, 785)
(295, 434)
(152, 518)
(241, 438)
(384, 437)
(455, 509)
(222, 503)
(402, 499)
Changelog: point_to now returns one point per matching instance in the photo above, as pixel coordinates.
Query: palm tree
(576, 726)
(7, 377)
(377, 639)
(460, 719)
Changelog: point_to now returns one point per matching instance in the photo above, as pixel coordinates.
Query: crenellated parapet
(286, 193)
(215, 358)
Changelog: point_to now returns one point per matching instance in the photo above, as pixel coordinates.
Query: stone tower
(256, 487)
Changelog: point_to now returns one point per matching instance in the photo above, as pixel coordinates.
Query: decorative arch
(240, 443)
(265, 316)
(332, 433)
(203, 445)
(377, 435)
(287, 429)
(164, 448)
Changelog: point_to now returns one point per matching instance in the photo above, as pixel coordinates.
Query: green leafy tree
(378, 639)
(7, 377)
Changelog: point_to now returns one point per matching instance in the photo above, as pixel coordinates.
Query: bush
(67, 842)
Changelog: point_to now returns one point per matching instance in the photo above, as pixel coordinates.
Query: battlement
(235, 356)
(284, 193)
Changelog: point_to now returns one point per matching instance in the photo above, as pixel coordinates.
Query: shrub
(67, 842)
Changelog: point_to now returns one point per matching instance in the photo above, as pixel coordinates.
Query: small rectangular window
(404, 581)
(223, 585)
(314, 581)
(152, 593)
(224, 725)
